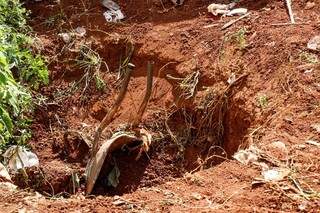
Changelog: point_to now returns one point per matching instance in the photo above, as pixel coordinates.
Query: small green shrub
(20, 71)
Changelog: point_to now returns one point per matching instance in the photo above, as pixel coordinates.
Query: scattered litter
(217, 9)
(81, 31)
(313, 142)
(66, 37)
(113, 14)
(226, 9)
(17, 157)
(271, 175)
(231, 79)
(309, 5)
(4, 173)
(314, 43)
(111, 5)
(247, 156)
(275, 174)
(237, 12)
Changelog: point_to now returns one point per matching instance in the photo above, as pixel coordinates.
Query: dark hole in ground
(165, 161)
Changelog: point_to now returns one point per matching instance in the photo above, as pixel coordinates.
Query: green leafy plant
(263, 101)
(20, 71)
(91, 62)
(309, 58)
(240, 37)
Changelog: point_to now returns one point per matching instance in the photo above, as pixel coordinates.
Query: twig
(146, 98)
(110, 115)
(289, 24)
(234, 21)
(290, 11)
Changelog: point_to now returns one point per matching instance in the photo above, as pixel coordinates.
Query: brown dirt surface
(189, 167)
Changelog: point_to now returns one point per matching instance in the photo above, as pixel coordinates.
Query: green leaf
(113, 177)
(6, 120)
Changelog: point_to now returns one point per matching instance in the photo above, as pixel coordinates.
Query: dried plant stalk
(110, 115)
(147, 95)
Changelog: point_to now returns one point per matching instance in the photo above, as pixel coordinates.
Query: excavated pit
(179, 144)
(182, 141)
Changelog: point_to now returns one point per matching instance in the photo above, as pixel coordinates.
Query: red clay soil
(277, 100)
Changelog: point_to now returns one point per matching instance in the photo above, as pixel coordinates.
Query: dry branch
(110, 115)
(147, 95)
(288, 2)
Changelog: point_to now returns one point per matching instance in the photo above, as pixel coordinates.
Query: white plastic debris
(111, 5)
(4, 173)
(275, 174)
(314, 43)
(17, 157)
(217, 9)
(81, 31)
(247, 156)
(66, 37)
(237, 12)
(226, 9)
(113, 14)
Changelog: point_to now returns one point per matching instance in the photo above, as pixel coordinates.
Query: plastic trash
(113, 14)
(314, 43)
(226, 9)
(111, 5)
(4, 173)
(237, 12)
(17, 157)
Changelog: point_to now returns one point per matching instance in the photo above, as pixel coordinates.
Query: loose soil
(189, 166)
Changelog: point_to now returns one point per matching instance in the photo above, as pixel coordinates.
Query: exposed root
(110, 115)
(146, 98)
(216, 105)
(188, 84)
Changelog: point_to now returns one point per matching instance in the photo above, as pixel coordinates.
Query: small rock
(278, 145)
(316, 127)
(301, 146)
(309, 5)
(196, 196)
(81, 31)
(303, 206)
(8, 186)
(66, 37)
(314, 43)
